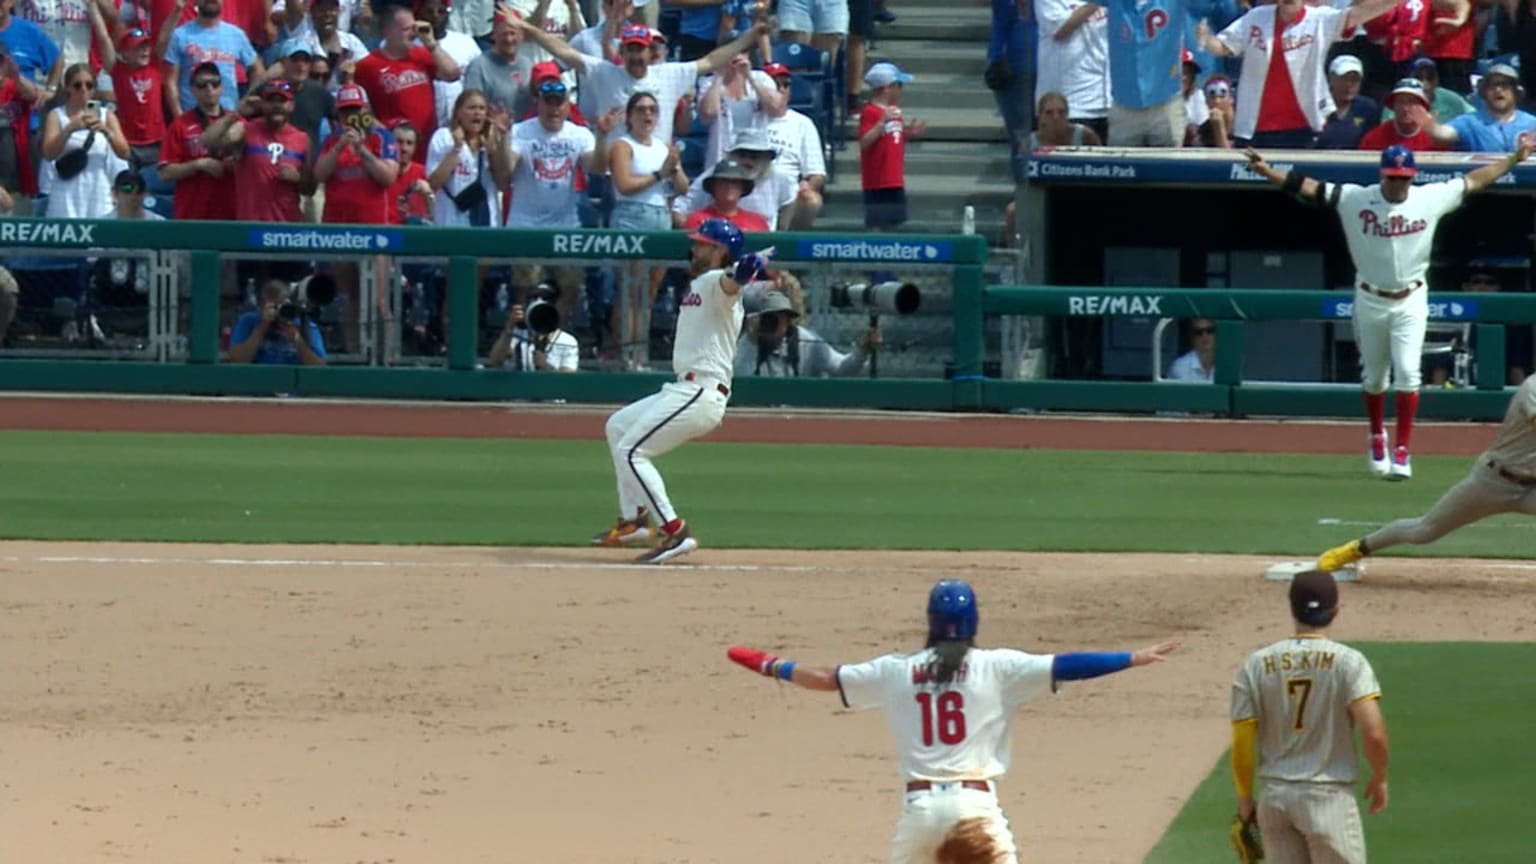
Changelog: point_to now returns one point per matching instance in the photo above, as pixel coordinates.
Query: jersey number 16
(944, 716)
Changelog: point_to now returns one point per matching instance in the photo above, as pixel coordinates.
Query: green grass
(377, 490)
(1458, 716)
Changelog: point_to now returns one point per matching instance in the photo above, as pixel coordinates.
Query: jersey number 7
(944, 716)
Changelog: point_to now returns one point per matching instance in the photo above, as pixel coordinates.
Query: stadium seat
(811, 100)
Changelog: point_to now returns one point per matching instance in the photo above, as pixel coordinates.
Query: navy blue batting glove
(751, 266)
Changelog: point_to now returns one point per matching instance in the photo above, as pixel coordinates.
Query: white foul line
(449, 565)
(1359, 523)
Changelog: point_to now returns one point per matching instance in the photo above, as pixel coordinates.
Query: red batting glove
(760, 662)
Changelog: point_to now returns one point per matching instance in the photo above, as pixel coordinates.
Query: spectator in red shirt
(357, 164)
(727, 183)
(137, 84)
(398, 76)
(1405, 127)
(273, 153)
(17, 96)
(883, 133)
(410, 196)
(205, 180)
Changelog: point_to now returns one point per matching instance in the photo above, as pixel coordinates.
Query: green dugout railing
(955, 261)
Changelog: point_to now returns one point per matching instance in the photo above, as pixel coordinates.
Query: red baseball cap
(543, 72)
(351, 96)
(776, 70)
(132, 39)
(635, 34)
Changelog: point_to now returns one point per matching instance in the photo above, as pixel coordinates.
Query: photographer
(532, 340)
(282, 332)
(774, 345)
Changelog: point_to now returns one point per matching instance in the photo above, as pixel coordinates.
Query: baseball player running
(1297, 703)
(1502, 480)
(951, 707)
(703, 353)
(1390, 227)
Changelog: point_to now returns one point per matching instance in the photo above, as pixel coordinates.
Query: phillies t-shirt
(351, 195)
(1386, 134)
(403, 207)
(746, 220)
(545, 190)
(138, 102)
(401, 90)
(200, 196)
(1278, 108)
(223, 44)
(261, 196)
(882, 165)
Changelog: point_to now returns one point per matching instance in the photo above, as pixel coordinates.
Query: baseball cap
(776, 301)
(280, 88)
(658, 36)
(1189, 59)
(128, 181)
(132, 39)
(1502, 70)
(776, 70)
(294, 47)
(207, 67)
(1345, 64)
(1411, 87)
(542, 72)
(635, 34)
(1397, 161)
(351, 96)
(1423, 63)
(884, 75)
(1314, 596)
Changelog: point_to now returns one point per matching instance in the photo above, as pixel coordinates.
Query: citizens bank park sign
(1227, 168)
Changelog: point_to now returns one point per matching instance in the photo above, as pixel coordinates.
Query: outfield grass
(101, 486)
(1458, 717)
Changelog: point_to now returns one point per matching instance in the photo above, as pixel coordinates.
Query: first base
(1285, 571)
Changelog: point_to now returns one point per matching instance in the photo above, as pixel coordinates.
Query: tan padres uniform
(1300, 689)
(1502, 480)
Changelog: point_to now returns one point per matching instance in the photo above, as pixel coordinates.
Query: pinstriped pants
(1310, 823)
(644, 430)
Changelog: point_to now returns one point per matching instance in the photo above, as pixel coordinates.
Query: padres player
(951, 708)
(703, 353)
(1297, 703)
(1390, 227)
(1502, 480)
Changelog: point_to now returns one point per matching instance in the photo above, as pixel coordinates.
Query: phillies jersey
(1147, 68)
(139, 109)
(352, 195)
(259, 195)
(1388, 242)
(883, 164)
(956, 731)
(200, 196)
(1385, 135)
(401, 89)
(708, 322)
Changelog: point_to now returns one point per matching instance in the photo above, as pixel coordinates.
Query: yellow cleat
(624, 532)
(1340, 557)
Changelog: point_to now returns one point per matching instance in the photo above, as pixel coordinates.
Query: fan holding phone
(81, 137)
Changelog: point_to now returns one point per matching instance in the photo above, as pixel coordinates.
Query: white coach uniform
(954, 739)
(1300, 689)
(703, 354)
(1389, 244)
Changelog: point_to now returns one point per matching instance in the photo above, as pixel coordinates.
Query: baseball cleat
(670, 546)
(1340, 557)
(624, 532)
(1380, 464)
(1402, 465)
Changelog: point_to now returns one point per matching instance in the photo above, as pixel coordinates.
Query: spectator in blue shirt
(1353, 114)
(1217, 14)
(38, 59)
(1011, 67)
(1497, 126)
(1146, 48)
(207, 39)
(269, 335)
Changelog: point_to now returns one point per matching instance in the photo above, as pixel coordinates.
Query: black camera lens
(288, 311)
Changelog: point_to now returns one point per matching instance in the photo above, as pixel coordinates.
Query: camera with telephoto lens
(309, 295)
(902, 298)
(542, 316)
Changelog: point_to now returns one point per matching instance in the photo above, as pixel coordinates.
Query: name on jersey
(1396, 225)
(923, 675)
(600, 244)
(46, 234)
(1258, 38)
(1116, 304)
(693, 299)
(1298, 661)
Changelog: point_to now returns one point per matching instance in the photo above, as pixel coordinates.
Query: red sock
(1376, 409)
(1407, 406)
(673, 527)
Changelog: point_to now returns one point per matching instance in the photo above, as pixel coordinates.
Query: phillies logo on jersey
(394, 82)
(141, 89)
(693, 299)
(1257, 38)
(1395, 226)
(552, 169)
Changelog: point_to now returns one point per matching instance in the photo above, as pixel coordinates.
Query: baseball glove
(968, 843)
(1246, 840)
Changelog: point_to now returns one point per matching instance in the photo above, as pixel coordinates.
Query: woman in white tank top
(88, 194)
(643, 168)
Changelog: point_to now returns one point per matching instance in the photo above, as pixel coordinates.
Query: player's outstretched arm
(1293, 182)
(748, 268)
(1485, 176)
(1092, 664)
(767, 665)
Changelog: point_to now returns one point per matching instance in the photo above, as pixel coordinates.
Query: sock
(1376, 410)
(673, 527)
(1407, 406)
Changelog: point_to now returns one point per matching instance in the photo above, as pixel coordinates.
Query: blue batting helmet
(721, 233)
(952, 610)
(1397, 161)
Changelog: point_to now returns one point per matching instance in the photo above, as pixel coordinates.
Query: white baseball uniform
(1389, 244)
(1300, 690)
(703, 354)
(957, 737)
(1305, 42)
